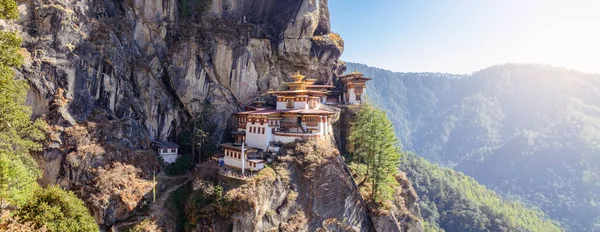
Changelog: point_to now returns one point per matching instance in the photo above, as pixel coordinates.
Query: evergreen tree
(18, 135)
(57, 210)
(376, 147)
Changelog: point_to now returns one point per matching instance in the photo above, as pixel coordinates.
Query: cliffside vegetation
(25, 205)
(529, 132)
(376, 154)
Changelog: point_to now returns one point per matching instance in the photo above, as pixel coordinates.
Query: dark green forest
(529, 132)
(453, 201)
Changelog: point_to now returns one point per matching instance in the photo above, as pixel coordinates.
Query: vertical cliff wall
(158, 61)
(110, 75)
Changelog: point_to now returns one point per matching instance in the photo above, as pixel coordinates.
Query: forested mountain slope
(527, 131)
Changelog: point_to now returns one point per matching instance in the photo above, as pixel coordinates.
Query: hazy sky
(459, 36)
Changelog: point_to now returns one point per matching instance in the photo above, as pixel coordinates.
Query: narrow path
(160, 203)
(156, 208)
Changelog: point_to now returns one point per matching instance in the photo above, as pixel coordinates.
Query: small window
(358, 97)
(312, 121)
(312, 103)
(290, 103)
(263, 130)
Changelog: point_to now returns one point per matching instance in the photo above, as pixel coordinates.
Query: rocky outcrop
(160, 61)
(404, 214)
(130, 71)
(111, 75)
(307, 190)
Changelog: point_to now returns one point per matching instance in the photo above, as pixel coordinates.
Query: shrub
(190, 8)
(296, 222)
(282, 172)
(9, 223)
(314, 153)
(330, 39)
(146, 226)
(122, 180)
(57, 210)
(292, 196)
(183, 164)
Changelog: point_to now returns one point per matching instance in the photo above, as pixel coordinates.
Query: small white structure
(167, 150)
(234, 157)
(354, 87)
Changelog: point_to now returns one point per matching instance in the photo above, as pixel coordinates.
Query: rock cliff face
(125, 72)
(159, 61)
(307, 190)
(110, 75)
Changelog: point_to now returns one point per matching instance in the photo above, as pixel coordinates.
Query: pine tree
(376, 147)
(57, 210)
(18, 135)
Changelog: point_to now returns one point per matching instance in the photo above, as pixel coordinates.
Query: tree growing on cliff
(377, 148)
(18, 135)
(57, 210)
(52, 208)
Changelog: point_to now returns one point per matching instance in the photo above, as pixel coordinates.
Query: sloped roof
(161, 144)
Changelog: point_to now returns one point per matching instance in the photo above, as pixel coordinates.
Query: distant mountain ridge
(526, 130)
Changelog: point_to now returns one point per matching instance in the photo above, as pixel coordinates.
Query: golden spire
(297, 77)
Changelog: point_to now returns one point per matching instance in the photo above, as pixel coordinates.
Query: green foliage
(182, 165)
(10, 44)
(16, 180)
(58, 210)
(457, 202)
(377, 149)
(193, 8)
(177, 201)
(51, 208)
(195, 138)
(146, 226)
(18, 135)
(530, 132)
(8, 9)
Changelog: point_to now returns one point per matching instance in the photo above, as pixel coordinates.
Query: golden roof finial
(297, 77)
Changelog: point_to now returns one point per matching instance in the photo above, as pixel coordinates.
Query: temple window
(290, 103)
(312, 104)
(312, 121)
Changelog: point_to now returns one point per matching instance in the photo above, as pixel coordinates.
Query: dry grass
(314, 153)
(121, 180)
(292, 196)
(333, 224)
(282, 172)
(146, 226)
(59, 98)
(331, 38)
(244, 196)
(267, 175)
(11, 224)
(295, 223)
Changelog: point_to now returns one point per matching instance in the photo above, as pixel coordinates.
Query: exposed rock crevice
(137, 70)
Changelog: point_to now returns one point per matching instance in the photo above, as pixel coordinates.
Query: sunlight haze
(465, 36)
